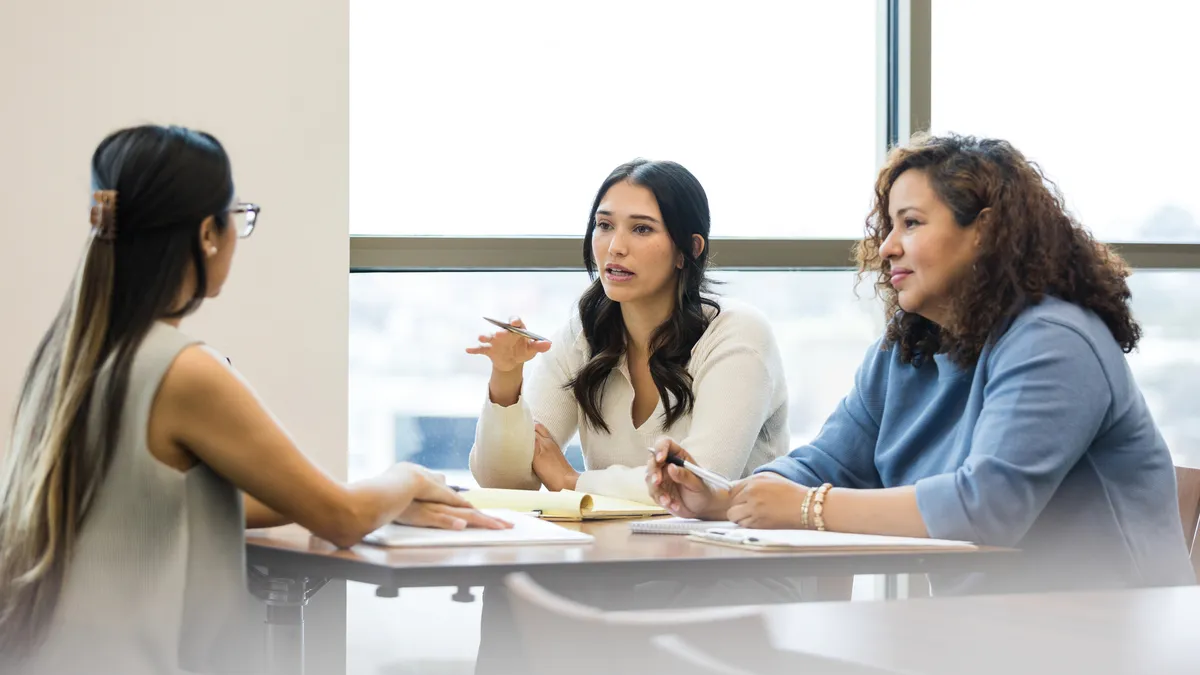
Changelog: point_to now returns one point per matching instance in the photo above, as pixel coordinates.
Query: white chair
(560, 635)
(686, 656)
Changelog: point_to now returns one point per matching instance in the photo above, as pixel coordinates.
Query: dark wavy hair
(1029, 247)
(684, 207)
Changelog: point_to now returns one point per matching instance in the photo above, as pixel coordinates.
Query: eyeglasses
(245, 217)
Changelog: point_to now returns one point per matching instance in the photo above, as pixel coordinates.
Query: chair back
(688, 656)
(560, 635)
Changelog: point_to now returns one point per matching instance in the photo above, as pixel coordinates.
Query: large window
(480, 130)
(1102, 95)
(488, 126)
(415, 394)
(1167, 363)
(502, 118)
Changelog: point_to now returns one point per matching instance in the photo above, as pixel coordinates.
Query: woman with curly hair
(998, 406)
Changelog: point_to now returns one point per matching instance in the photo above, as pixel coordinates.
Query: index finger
(735, 490)
(482, 520)
(667, 446)
(443, 494)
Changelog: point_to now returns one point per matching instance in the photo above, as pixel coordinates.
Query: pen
(713, 479)
(513, 329)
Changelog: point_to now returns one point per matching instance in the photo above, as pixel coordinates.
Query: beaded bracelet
(819, 507)
(804, 508)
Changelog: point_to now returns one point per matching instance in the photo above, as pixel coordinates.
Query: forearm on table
(888, 511)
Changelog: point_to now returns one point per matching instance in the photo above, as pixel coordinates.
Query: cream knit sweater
(739, 421)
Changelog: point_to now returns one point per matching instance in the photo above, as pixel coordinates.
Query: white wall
(269, 78)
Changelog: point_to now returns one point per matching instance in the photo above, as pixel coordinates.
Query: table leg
(895, 586)
(285, 598)
(285, 639)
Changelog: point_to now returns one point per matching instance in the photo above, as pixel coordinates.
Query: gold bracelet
(819, 507)
(804, 508)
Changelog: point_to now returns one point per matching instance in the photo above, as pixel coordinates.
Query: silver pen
(519, 331)
(714, 480)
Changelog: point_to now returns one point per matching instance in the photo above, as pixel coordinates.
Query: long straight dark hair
(684, 207)
(167, 181)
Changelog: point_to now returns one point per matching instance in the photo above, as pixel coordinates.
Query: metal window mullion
(907, 25)
(446, 254)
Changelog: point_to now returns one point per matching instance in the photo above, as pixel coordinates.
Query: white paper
(674, 525)
(821, 539)
(526, 530)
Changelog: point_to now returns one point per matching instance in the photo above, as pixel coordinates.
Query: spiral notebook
(679, 526)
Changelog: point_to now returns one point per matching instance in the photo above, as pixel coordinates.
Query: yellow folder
(562, 505)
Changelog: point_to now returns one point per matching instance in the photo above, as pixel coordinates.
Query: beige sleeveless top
(157, 583)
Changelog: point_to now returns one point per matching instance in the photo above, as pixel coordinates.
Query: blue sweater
(1046, 445)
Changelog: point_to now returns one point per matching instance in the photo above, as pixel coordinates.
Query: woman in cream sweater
(648, 353)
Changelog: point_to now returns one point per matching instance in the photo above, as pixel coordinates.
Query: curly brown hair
(1029, 247)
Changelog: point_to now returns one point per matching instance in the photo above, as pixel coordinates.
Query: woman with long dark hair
(649, 352)
(122, 516)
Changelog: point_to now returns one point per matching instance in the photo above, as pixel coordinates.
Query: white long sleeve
(738, 423)
(502, 456)
(736, 394)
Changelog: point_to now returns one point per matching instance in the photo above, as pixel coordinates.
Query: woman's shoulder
(1054, 320)
(159, 349)
(739, 322)
(569, 344)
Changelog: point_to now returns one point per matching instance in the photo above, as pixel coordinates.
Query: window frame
(903, 84)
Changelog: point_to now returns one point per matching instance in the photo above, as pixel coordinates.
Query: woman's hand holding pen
(508, 352)
(680, 491)
(767, 501)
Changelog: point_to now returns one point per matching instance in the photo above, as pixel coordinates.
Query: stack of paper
(791, 540)
(526, 530)
(678, 526)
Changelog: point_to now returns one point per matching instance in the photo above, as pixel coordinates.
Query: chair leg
(827, 589)
(500, 648)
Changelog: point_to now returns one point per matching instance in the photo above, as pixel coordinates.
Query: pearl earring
(212, 250)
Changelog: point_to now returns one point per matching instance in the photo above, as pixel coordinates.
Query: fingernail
(460, 524)
(663, 501)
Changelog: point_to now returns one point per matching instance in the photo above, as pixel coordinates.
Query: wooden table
(1135, 632)
(288, 565)
(291, 550)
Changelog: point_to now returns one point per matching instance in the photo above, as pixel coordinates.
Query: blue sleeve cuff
(774, 466)
(791, 469)
(942, 509)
